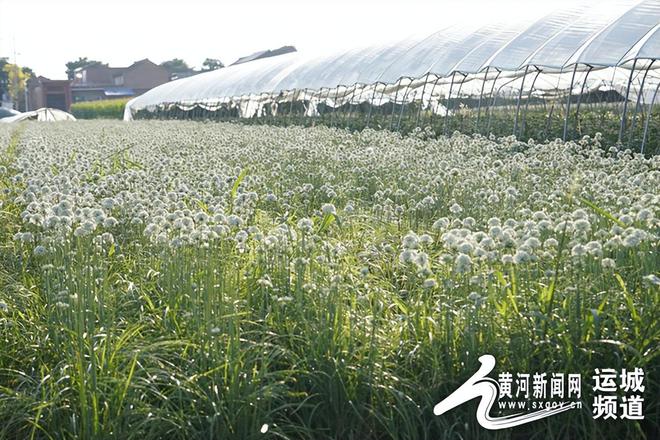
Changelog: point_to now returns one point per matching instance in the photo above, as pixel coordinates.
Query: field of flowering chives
(189, 280)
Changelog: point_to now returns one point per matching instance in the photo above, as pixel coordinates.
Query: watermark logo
(480, 385)
(608, 385)
(536, 396)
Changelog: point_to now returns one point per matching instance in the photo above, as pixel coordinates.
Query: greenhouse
(577, 71)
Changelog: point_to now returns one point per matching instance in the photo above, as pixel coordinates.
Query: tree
(212, 64)
(71, 66)
(4, 78)
(175, 65)
(16, 82)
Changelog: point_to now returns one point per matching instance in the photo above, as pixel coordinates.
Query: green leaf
(240, 178)
(600, 211)
(203, 206)
(127, 383)
(629, 300)
(327, 221)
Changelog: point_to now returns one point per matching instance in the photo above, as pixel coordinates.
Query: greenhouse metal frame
(528, 79)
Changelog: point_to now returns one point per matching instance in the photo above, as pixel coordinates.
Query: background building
(44, 92)
(99, 81)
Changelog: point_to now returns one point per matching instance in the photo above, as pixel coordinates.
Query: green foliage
(71, 66)
(175, 65)
(212, 64)
(312, 323)
(3, 75)
(15, 80)
(103, 109)
(539, 122)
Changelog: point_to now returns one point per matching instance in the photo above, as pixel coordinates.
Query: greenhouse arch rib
(394, 77)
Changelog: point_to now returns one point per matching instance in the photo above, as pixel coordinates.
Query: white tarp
(41, 115)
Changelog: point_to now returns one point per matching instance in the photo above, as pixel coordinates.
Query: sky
(45, 34)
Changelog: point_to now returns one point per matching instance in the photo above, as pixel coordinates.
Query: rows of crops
(103, 109)
(189, 280)
(540, 122)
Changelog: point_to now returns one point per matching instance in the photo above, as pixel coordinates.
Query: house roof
(43, 79)
(115, 69)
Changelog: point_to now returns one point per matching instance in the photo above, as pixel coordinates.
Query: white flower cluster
(468, 204)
